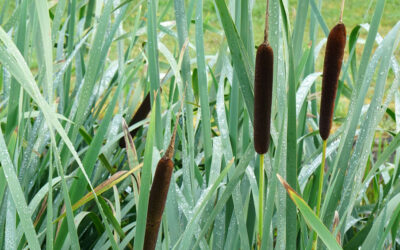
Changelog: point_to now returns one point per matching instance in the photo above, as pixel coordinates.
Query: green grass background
(355, 12)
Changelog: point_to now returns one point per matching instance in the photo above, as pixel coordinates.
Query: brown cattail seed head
(332, 65)
(263, 97)
(157, 199)
(140, 115)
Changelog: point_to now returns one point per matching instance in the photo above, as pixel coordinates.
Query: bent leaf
(312, 220)
(107, 184)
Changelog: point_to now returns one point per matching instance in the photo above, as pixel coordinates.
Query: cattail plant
(262, 111)
(332, 66)
(140, 115)
(158, 194)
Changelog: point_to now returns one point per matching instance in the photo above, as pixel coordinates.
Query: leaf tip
(288, 188)
(127, 135)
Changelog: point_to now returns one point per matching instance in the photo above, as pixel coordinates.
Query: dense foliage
(72, 72)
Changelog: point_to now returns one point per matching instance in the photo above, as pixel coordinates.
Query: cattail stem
(266, 23)
(320, 185)
(260, 201)
(321, 177)
(341, 12)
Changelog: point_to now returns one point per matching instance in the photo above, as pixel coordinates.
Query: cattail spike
(157, 199)
(263, 97)
(141, 114)
(332, 66)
